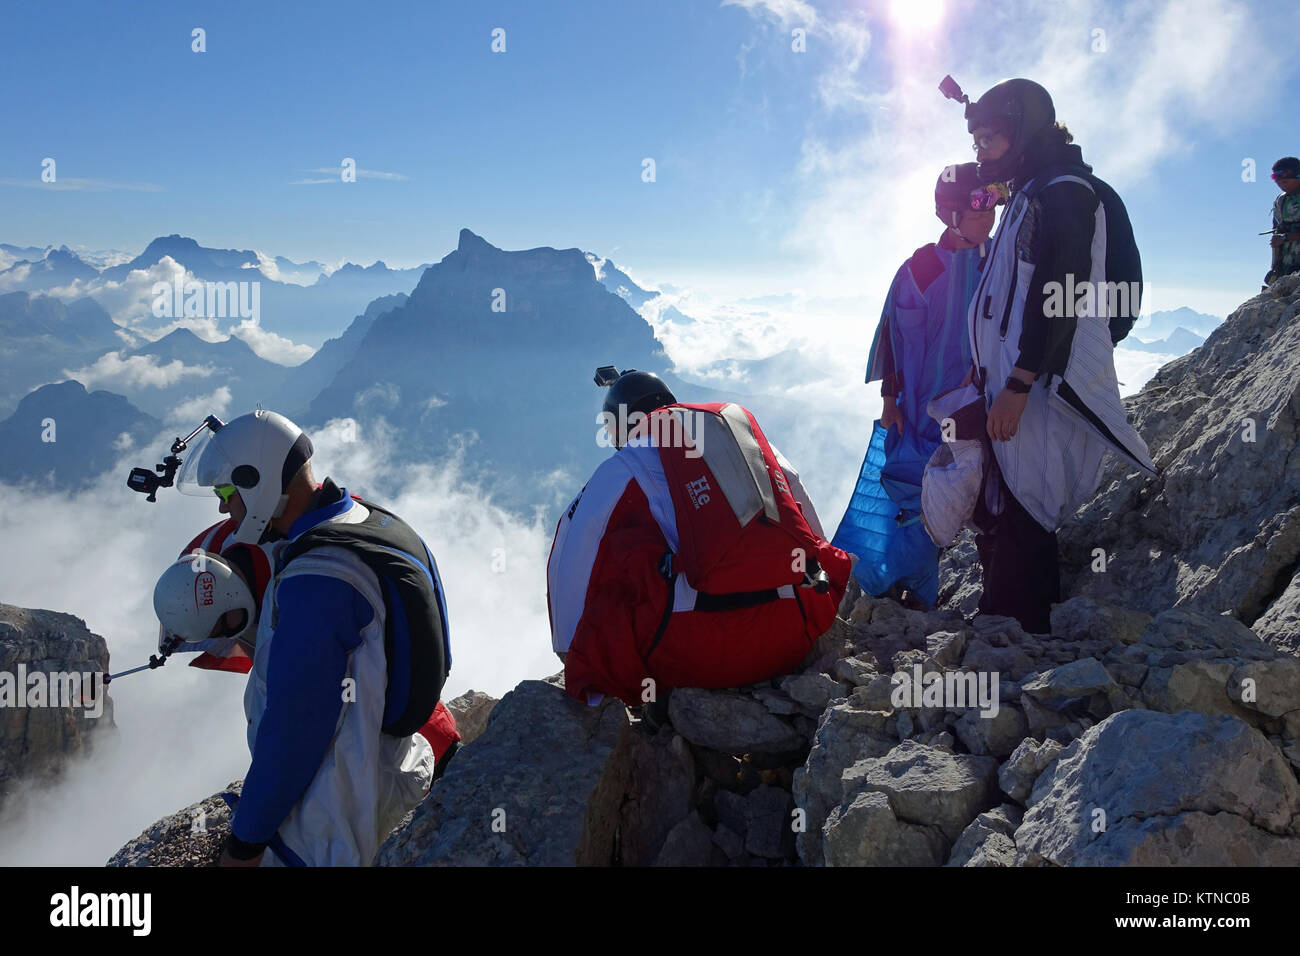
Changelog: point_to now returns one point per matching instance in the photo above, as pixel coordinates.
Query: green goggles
(226, 492)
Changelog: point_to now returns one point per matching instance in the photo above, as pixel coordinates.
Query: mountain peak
(470, 242)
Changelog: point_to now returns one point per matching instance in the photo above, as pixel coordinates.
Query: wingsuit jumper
(1062, 286)
(349, 658)
(921, 349)
(209, 600)
(691, 558)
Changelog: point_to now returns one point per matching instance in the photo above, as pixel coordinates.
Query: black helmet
(638, 392)
(1019, 109)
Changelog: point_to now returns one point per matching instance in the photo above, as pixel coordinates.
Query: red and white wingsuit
(224, 654)
(681, 561)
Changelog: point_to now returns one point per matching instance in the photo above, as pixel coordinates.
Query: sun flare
(916, 16)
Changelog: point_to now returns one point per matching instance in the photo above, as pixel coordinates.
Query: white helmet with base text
(193, 596)
(258, 453)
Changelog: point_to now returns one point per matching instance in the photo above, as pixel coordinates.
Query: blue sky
(776, 171)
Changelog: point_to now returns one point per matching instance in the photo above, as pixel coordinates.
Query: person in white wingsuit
(336, 759)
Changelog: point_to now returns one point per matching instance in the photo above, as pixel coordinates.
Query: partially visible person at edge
(326, 782)
(921, 349)
(1286, 220)
(1047, 375)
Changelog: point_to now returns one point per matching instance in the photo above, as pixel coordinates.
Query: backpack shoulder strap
(1053, 174)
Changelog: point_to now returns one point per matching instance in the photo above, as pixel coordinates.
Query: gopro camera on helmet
(163, 474)
(949, 88)
(606, 376)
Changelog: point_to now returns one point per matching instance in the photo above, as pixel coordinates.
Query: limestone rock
(995, 736)
(989, 840)
(946, 647)
(865, 832)
(1082, 618)
(1279, 626)
(730, 722)
(689, 843)
(1275, 686)
(854, 670)
(1016, 777)
(542, 785)
(36, 742)
(191, 837)
(1190, 839)
(1199, 685)
(659, 783)
(471, 710)
(1137, 765)
(846, 734)
(926, 785)
(812, 691)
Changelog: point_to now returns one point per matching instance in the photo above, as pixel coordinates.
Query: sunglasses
(987, 197)
(1286, 174)
(226, 492)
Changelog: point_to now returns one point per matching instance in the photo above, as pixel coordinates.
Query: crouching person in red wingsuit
(691, 558)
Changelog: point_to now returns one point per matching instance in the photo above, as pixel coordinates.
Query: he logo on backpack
(696, 490)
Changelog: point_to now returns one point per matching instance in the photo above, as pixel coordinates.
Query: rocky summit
(1158, 723)
(51, 702)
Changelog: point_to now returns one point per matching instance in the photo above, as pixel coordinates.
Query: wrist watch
(1017, 386)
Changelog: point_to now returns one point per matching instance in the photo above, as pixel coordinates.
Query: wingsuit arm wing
(881, 365)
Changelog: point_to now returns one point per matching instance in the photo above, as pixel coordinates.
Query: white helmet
(258, 453)
(193, 594)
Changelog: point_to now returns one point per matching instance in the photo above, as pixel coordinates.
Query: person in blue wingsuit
(921, 350)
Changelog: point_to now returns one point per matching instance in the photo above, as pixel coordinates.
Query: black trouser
(1019, 564)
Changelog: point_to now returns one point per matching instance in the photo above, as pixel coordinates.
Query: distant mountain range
(1179, 342)
(299, 301)
(491, 347)
(1160, 325)
(40, 336)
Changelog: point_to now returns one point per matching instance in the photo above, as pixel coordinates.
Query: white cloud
(129, 301)
(1134, 369)
(266, 265)
(11, 280)
(216, 403)
(135, 371)
(272, 347)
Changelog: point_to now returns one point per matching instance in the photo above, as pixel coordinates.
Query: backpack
(739, 528)
(1123, 261)
(414, 607)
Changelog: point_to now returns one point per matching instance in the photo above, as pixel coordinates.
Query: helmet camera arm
(147, 482)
